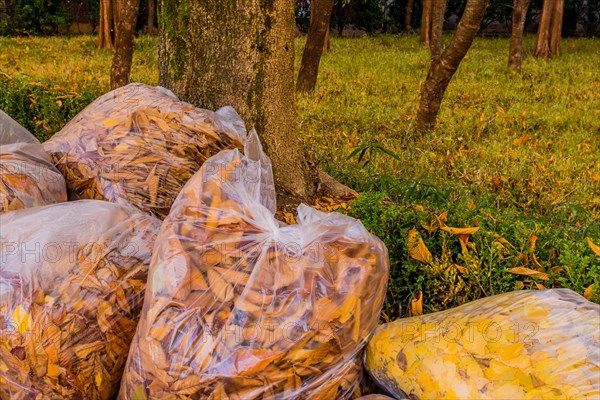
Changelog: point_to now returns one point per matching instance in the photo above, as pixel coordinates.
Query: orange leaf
(416, 247)
(528, 272)
(595, 249)
(416, 304)
(588, 292)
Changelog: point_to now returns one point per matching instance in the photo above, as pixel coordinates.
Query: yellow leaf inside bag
(110, 122)
(21, 320)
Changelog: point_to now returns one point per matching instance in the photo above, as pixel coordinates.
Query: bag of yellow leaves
(138, 145)
(27, 176)
(72, 280)
(518, 345)
(241, 307)
(12, 132)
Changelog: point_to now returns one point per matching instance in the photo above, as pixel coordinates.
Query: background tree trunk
(151, 17)
(105, 25)
(519, 14)
(556, 27)
(426, 21)
(437, 27)
(549, 30)
(126, 13)
(315, 42)
(215, 53)
(408, 15)
(443, 68)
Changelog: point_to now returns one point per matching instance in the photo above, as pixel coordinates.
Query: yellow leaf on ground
(528, 272)
(416, 304)
(110, 122)
(416, 247)
(21, 320)
(588, 292)
(595, 249)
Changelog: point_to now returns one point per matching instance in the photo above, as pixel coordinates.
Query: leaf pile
(28, 178)
(139, 145)
(241, 307)
(519, 345)
(70, 297)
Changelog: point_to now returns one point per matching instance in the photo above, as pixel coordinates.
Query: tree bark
(105, 25)
(556, 27)
(214, 53)
(443, 68)
(151, 17)
(408, 16)
(437, 28)
(516, 38)
(426, 21)
(549, 30)
(315, 42)
(126, 13)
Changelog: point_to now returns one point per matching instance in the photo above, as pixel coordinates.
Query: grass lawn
(516, 155)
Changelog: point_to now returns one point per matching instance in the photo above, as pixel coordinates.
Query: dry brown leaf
(416, 304)
(594, 247)
(417, 249)
(528, 272)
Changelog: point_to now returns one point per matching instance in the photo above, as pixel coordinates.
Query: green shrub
(41, 107)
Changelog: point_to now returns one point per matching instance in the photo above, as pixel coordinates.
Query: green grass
(516, 154)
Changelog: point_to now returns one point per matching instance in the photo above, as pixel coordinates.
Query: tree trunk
(437, 28)
(151, 17)
(426, 21)
(126, 13)
(105, 25)
(214, 53)
(516, 38)
(443, 68)
(315, 42)
(327, 45)
(549, 30)
(556, 27)
(408, 15)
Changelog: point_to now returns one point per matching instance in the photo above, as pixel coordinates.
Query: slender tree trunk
(408, 15)
(516, 38)
(437, 28)
(556, 27)
(315, 42)
(105, 25)
(549, 30)
(151, 18)
(126, 13)
(426, 21)
(218, 53)
(443, 68)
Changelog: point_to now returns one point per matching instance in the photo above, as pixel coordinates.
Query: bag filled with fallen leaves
(27, 176)
(72, 280)
(138, 145)
(12, 132)
(518, 345)
(241, 307)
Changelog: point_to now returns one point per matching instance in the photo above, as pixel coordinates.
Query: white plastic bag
(138, 145)
(72, 280)
(239, 306)
(517, 345)
(27, 176)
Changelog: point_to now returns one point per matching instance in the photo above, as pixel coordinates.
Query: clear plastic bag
(138, 145)
(72, 280)
(11, 132)
(240, 306)
(28, 178)
(518, 345)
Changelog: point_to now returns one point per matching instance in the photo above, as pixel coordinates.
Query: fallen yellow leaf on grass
(416, 304)
(588, 292)
(528, 272)
(595, 249)
(416, 247)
